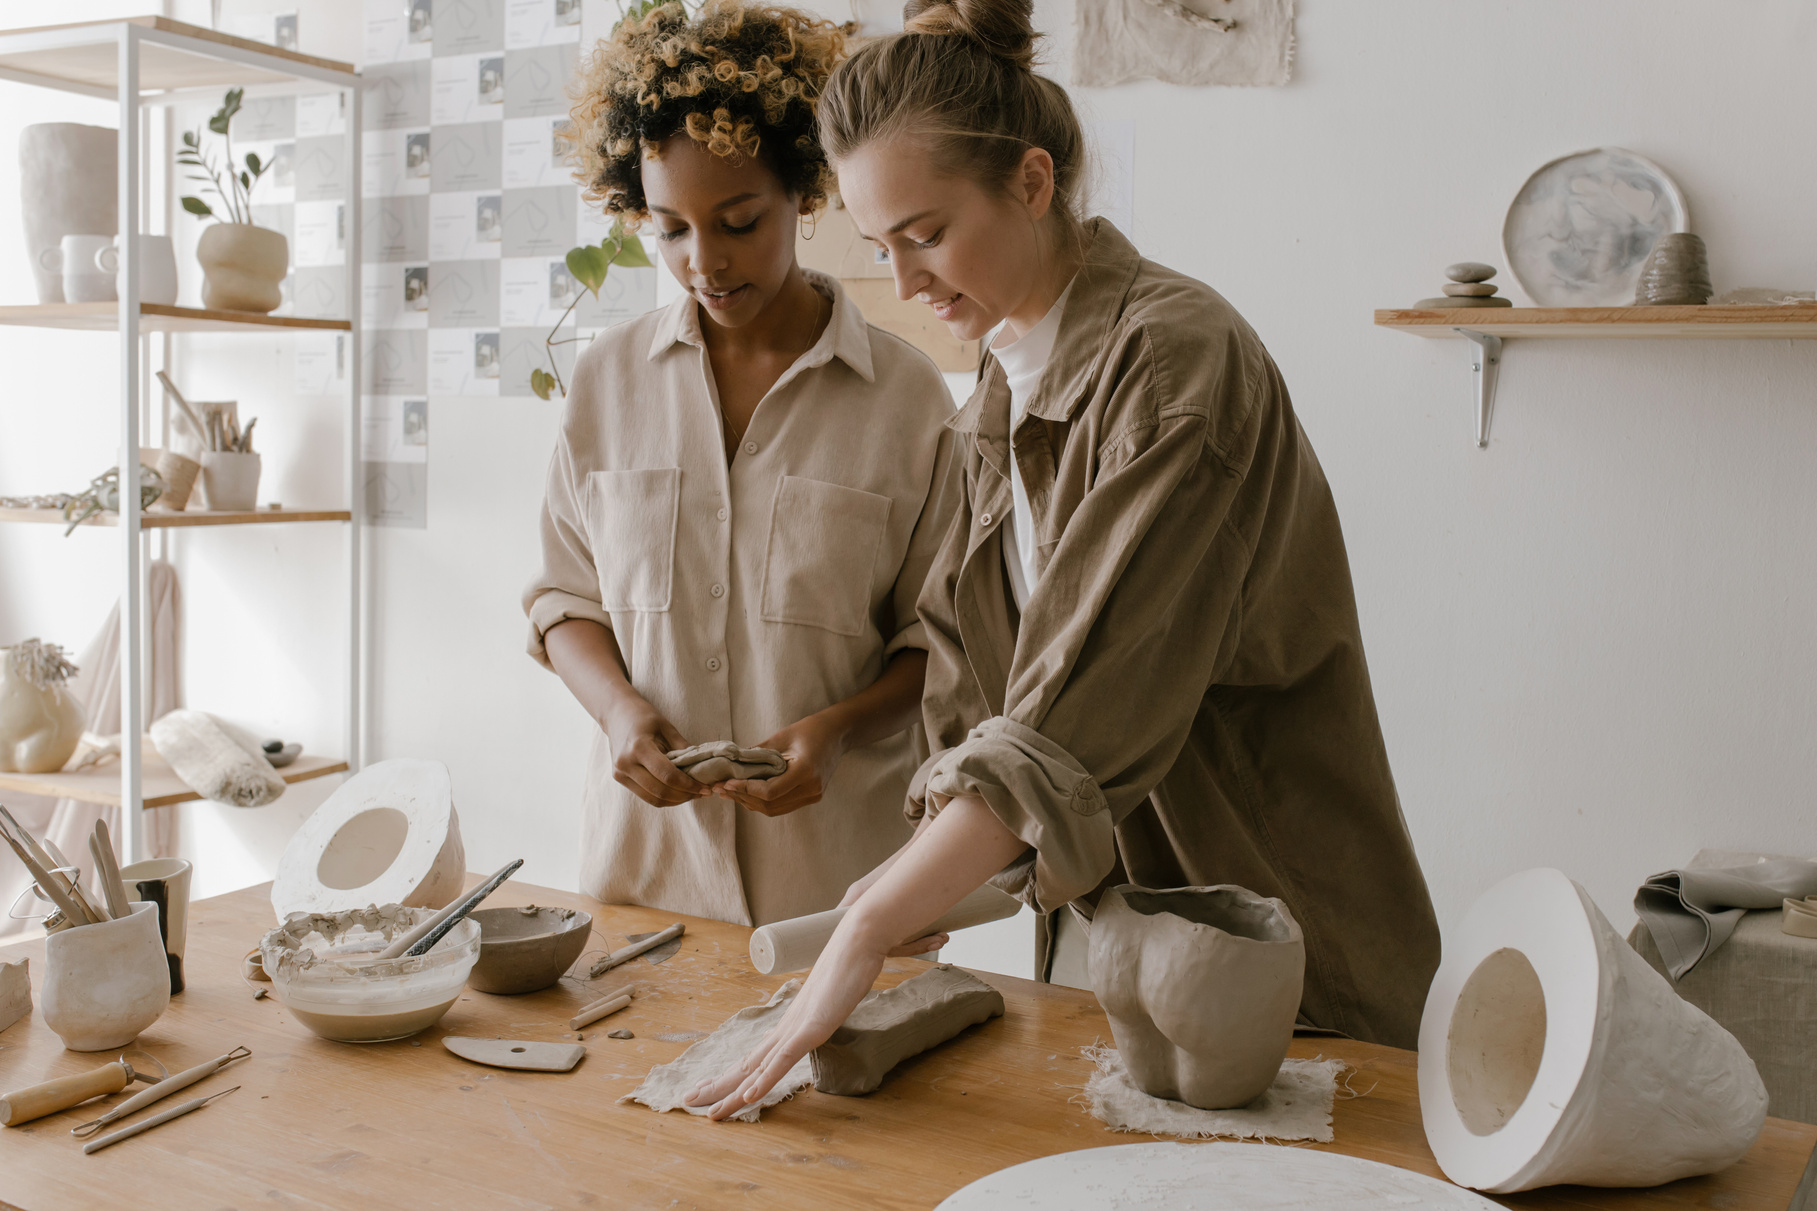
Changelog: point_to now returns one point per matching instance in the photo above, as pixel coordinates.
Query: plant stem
(549, 343)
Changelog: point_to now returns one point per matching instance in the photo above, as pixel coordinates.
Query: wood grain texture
(164, 519)
(91, 60)
(156, 317)
(391, 1124)
(159, 784)
(1796, 321)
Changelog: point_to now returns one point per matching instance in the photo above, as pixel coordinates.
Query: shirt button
(723, 515)
(712, 664)
(984, 519)
(718, 590)
(750, 447)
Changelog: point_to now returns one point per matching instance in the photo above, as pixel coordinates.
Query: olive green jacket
(1184, 701)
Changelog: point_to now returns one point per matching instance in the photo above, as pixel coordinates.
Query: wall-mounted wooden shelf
(162, 519)
(155, 317)
(1487, 327)
(161, 786)
(82, 57)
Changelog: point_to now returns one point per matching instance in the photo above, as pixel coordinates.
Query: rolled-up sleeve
(1114, 654)
(939, 513)
(567, 584)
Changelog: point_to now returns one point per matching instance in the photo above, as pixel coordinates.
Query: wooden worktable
(408, 1125)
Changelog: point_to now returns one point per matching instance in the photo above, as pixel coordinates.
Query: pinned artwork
(1237, 42)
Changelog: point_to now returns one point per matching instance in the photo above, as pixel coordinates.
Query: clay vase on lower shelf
(104, 983)
(243, 267)
(1202, 987)
(230, 481)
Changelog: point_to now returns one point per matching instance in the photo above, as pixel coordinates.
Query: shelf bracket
(1487, 363)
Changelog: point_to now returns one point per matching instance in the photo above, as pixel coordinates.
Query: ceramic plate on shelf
(1582, 226)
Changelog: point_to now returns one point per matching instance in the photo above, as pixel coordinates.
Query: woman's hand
(812, 748)
(641, 743)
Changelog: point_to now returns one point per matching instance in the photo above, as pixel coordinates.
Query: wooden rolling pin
(36, 1101)
(793, 945)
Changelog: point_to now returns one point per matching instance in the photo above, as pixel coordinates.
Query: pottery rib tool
(107, 870)
(604, 1007)
(624, 954)
(176, 396)
(161, 1090)
(49, 1097)
(511, 1053)
(174, 1112)
(431, 931)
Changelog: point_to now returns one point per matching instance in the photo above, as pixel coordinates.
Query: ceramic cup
(104, 983)
(83, 280)
(164, 882)
(230, 482)
(157, 267)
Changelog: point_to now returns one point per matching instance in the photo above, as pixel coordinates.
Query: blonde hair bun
(1005, 28)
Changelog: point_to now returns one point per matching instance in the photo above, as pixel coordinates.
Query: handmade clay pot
(104, 983)
(243, 267)
(1676, 273)
(1202, 986)
(40, 725)
(526, 949)
(68, 185)
(230, 482)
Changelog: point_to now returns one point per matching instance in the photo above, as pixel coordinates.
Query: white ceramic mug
(157, 267)
(165, 883)
(230, 481)
(83, 280)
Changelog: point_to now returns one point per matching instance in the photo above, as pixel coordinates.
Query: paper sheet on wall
(1243, 42)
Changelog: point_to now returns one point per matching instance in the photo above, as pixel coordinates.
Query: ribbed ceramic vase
(243, 267)
(106, 982)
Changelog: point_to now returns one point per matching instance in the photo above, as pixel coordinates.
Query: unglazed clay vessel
(68, 185)
(40, 720)
(243, 267)
(1202, 986)
(104, 983)
(526, 949)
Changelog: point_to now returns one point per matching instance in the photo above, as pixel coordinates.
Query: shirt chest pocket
(822, 552)
(631, 527)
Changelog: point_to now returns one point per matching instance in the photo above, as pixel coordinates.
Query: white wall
(1589, 641)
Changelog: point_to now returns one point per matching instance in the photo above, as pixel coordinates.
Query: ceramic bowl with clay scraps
(526, 949)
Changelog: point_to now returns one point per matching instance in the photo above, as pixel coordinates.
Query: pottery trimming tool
(161, 1090)
(153, 1121)
(426, 934)
(40, 864)
(625, 954)
(49, 1097)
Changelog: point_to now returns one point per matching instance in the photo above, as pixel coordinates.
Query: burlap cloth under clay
(722, 760)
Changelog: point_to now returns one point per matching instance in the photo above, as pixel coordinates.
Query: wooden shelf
(154, 317)
(162, 519)
(161, 787)
(1794, 321)
(186, 56)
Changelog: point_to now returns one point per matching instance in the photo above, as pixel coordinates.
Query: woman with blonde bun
(747, 491)
(1144, 659)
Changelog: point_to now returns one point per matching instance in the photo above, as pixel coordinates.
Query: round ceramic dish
(1580, 229)
(526, 949)
(323, 971)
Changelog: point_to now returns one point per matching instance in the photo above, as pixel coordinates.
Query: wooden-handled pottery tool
(174, 1112)
(54, 886)
(161, 1090)
(427, 933)
(49, 1097)
(624, 954)
(604, 1007)
(107, 870)
(515, 1053)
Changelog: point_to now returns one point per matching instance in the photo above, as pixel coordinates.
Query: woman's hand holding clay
(641, 742)
(964, 846)
(813, 748)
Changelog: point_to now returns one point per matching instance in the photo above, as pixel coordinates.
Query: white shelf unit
(144, 63)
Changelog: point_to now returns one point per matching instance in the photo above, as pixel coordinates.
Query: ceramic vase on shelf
(230, 481)
(40, 720)
(105, 982)
(243, 267)
(68, 185)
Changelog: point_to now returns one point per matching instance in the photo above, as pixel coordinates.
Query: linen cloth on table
(1296, 1106)
(1690, 912)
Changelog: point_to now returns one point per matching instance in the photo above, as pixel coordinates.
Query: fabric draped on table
(1692, 911)
(68, 823)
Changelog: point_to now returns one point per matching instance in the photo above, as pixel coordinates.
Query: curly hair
(739, 79)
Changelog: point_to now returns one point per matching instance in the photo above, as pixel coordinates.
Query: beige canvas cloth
(1295, 1106)
(1184, 702)
(68, 823)
(1244, 42)
(746, 597)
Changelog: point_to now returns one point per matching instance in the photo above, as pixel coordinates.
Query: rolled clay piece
(894, 1024)
(15, 992)
(793, 945)
(722, 760)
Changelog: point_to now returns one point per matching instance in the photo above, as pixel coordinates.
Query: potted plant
(243, 265)
(588, 264)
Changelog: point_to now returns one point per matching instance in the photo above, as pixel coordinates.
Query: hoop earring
(809, 224)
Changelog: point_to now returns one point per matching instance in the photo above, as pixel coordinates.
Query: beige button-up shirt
(1184, 699)
(749, 596)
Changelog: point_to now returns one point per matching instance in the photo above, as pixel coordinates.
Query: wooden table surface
(408, 1125)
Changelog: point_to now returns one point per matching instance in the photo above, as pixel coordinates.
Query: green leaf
(542, 382)
(252, 162)
(189, 138)
(588, 264)
(197, 206)
(630, 252)
(245, 181)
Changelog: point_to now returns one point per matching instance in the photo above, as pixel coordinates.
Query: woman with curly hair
(747, 492)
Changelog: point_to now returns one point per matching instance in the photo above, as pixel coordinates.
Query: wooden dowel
(625, 954)
(107, 870)
(604, 1007)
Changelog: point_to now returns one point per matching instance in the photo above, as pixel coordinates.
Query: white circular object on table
(1580, 229)
(1209, 1177)
(388, 835)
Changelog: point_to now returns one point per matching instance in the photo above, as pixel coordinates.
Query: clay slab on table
(895, 1024)
(15, 992)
